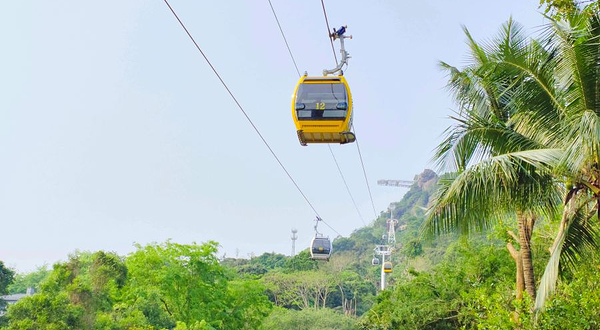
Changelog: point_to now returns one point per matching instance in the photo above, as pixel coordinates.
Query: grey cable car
(320, 248)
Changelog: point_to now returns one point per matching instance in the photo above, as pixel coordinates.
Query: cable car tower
(382, 250)
(294, 237)
(386, 250)
(391, 226)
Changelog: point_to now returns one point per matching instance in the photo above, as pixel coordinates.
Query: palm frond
(576, 40)
(464, 86)
(582, 237)
(474, 138)
(480, 195)
(576, 236)
(548, 282)
(583, 143)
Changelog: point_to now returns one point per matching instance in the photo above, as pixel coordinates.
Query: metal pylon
(391, 235)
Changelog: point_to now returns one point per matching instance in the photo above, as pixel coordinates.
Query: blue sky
(114, 130)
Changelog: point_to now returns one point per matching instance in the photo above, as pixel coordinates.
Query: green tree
(563, 8)
(495, 174)
(159, 286)
(576, 304)
(74, 294)
(202, 325)
(270, 260)
(187, 279)
(555, 121)
(308, 319)
(6, 278)
(301, 262)
(570, 126)
(45, 311)
(192, 287)
(29, 280)
(304, 290)
(248, 305)
(413, 248)
(442, 298)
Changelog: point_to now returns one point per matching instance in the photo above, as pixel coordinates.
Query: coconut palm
(572, 124)
(497, 172)
(548, 138)
(558, 107)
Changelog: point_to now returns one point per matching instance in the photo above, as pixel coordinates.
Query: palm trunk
(525, 224)
(520, 280)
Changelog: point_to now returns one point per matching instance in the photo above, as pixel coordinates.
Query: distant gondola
(320, 248)
(387, 267)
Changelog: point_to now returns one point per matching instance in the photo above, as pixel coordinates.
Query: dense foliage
(446, 283)
(308, 319)
(524, 144)
(6, 278)
(445, 297)
(30, 280)
(159, 286)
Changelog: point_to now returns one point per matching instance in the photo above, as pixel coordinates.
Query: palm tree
(496, 170)
(547, 139)
(572, 124)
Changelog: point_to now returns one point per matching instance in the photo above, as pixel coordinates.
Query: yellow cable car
(387, 267)
(322, 106)
(322, 110)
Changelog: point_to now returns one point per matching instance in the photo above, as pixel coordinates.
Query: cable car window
(321, 246)
(322, 101)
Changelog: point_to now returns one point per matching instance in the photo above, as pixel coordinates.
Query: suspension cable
(357, 146)
(284, 38)
(346, 184)
(329, 31)
(243, 111)
(330, 150)
(365, 174)
(326, 224)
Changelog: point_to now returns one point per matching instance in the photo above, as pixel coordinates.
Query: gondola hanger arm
(317, 225)
(339, 34)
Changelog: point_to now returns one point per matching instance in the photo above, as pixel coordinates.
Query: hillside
(352, 255)
(409, 212)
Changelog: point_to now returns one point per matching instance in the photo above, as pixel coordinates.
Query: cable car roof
(323, 78)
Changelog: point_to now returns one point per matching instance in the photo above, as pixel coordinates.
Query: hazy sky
(113, 129)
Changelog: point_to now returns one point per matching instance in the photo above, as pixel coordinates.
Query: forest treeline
(506, 238)
(446, 283)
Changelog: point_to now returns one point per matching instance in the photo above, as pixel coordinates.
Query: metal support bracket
(339, 34)
(317, 234)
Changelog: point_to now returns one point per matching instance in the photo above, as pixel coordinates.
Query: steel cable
(330, 150)
(243, 111)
